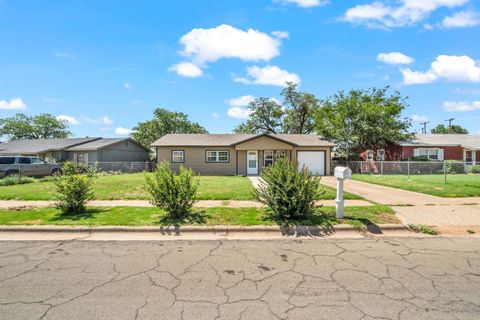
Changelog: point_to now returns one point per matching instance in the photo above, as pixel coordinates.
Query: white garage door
(313, 160)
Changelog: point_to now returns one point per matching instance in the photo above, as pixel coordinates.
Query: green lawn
(136, 216)
(458, 185)
(130, 187)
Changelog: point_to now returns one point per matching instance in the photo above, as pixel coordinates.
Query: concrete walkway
(11, 204)
(392, 196)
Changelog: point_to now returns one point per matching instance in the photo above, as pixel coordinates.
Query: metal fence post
(444, 171)
(381, 168)
(408, 169)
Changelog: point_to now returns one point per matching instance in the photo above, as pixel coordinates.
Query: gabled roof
(103, 143)
(471, 141)
(41, 145)
(224, 140)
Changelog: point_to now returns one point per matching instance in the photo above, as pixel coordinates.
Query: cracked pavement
(383, 278)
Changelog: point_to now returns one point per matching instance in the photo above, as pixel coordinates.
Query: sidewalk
(10, 204)
(392, 196)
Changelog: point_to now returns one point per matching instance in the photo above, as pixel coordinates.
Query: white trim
(370, 155)
(382, 158)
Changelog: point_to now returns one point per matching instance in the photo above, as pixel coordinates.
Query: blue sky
(105, 65)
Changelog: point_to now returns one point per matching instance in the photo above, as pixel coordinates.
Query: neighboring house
(82, 150)
(242, 154)
(460, 147)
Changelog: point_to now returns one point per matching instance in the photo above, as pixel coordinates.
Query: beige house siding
(263, 143)
(242, 162)
(195, 158)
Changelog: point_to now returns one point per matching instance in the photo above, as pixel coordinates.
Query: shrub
(452, 167)
(474, 169)
(172, 192)
(16, 179)
(72, 189)
(290, 194)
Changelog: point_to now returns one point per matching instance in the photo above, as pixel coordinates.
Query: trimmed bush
(175, 193)
(453, 167)
(288, 193)
(474, 169)
(16, 179)
(73, 190)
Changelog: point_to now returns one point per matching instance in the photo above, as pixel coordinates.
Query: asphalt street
(387, 278)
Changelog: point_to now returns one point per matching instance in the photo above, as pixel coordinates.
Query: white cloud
(449, 68)
(269, 75)
(69, 119)
(281, 34)
(241, 101)
(101, 120)
(394, 58)
(238, 112)
(127, 85)
(121, 131)
(418, 118)
(409, 12)
(209, 45)
(467, 91)
(305, 3)
(13, 104)
(462, 19)
(461, 106)
(186, 69)
(64, 55)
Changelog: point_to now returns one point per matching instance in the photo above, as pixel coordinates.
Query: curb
(201, 229)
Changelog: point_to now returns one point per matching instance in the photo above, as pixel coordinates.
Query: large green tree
(363, 119)
(164, 122)
(441, 129)
(42, 126)
(294, 115)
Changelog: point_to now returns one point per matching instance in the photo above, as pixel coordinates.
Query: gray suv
(27, 166)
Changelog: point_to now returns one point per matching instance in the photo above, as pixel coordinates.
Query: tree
(295, 115)
(363, 119)
(441, 129)
(164, 122)
(42, 126)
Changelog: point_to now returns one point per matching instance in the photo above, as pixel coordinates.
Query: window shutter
(416, 152)
(74, 158)
(440, 154)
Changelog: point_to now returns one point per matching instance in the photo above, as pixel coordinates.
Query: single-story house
(460, 147)
(242, 154)
(79, 150)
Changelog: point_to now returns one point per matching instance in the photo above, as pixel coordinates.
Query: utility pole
(450, 124)
(424, 124)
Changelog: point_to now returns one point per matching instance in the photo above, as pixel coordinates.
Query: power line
(450, 124)
(424, 124)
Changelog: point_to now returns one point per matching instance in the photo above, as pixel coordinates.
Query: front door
(252, 162)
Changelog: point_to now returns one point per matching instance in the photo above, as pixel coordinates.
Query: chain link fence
(404, 167)
(124, 167)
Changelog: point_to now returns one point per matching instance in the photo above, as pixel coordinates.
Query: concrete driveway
(392, 196)
(388, 278)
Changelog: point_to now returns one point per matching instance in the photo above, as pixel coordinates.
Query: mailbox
(343, 173)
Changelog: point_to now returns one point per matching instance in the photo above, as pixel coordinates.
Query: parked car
(27, 166)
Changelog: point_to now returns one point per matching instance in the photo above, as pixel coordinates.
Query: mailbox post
(341, 173)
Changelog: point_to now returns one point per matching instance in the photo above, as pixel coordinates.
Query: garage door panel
(313, 160)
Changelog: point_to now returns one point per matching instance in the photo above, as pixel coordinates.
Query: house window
(468, 156)
(82, 158)
(267, 158)
(218, 156)
(280, 154)
(428, 153)
(178, 156)
(370, 155)
(381, 154)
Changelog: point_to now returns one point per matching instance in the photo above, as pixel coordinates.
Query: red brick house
(460, 147)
